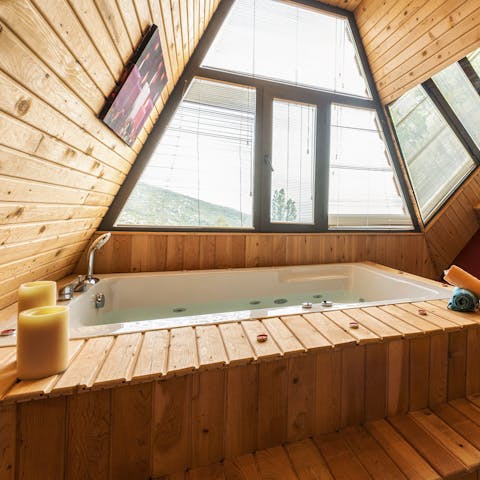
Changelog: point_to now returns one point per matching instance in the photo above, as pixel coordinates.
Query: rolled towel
(463, 301)
(462, 279)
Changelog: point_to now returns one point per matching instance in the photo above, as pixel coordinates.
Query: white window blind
(293, 161)
(291, 43)
(363, 188)
(462, 98)
(201, 173)
(436, 159)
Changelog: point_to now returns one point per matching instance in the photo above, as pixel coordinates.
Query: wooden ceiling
(60, 167)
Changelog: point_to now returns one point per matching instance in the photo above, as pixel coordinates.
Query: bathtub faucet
(84, 282)
(96, 245)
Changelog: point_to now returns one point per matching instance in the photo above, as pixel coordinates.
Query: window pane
(294, 44)
(462, 98)
(474, 59)
(363, 190)
(200, 174)
(293, 160)
(436, 160)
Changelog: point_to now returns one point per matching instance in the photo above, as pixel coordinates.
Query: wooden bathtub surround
(150, 404)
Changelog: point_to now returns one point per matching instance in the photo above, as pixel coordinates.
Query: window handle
(266, 159)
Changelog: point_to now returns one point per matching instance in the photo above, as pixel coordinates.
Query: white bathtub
(136, 302)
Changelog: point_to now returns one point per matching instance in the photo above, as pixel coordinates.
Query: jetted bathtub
(145, 301)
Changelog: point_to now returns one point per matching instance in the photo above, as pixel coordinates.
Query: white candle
(42, 342)
(37, 294)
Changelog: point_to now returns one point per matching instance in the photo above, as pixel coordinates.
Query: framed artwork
(132, 101)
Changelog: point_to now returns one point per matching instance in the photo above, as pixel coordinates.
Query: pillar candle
(42, 341)
(37, 294)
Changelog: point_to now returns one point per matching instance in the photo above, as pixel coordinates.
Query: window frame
(266, 91)
(452, 120)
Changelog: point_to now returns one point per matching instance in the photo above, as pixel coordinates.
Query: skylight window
(436, 159)
(289, 43)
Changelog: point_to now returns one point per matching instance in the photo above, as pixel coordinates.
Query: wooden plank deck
(101, 362)
(420, 445)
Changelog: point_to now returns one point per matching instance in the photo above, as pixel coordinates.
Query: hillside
(156, 206)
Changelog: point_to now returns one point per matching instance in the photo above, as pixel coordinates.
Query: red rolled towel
(462, 279)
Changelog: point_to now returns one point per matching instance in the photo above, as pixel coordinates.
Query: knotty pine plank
(28, 389)
(375, 381)
(171, 425)
(208, 417)
(340, 459)
(419, 373)
(274, 463)
(120, 361)
(401, 452)
(83, 370)
(301, 403)
(284, 338)
(88, 433)
(272, 403)
(330, 330)
(307, 461)
(439, 457)
(398, 377)
(152, 358)
(236, 344)
(182, 354)
(8, 432)
(131, 434)
(241, 414)
(309, 337)
(211, 351)
(362, 334)
(353, 386)
(39, 424)
(455, 443)
(328, 391)
(263, 350)
(371, 455)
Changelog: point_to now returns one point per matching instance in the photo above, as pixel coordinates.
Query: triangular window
(289, 43)
(273, 127)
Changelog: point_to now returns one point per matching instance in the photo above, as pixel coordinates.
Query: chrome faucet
(84, 282)
(96, 245)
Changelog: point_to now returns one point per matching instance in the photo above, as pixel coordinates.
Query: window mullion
(452, 119)
(322, 166)
(471, 73)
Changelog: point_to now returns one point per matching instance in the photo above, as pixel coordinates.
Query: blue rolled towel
(463, 301)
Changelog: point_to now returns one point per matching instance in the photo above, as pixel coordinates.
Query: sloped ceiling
(60, 167)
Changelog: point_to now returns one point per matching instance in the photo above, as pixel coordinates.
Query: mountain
(155, 206)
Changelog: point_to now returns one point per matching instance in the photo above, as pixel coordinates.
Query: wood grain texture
(147, 251)
(407, 42)
(59, 162)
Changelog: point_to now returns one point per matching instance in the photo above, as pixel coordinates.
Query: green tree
(283, 210)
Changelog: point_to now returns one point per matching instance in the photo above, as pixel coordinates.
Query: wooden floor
(443, 443)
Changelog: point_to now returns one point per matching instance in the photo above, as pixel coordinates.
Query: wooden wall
(455, 224)
(149, 429)
(408, 41)
(145, 252)
(60, 166)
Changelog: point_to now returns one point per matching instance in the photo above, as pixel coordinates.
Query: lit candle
(37, 294)
(42, 342)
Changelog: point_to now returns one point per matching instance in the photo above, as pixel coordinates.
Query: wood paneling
(455, 224)
(409, 41)
(190, 412)
(60, 166)
(147, 252)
